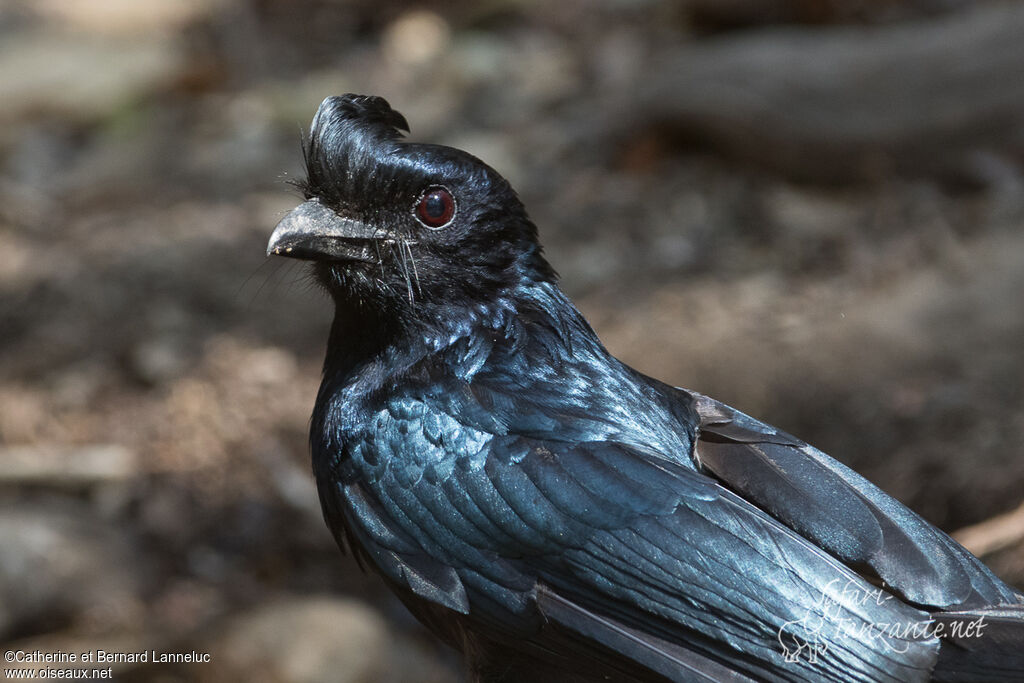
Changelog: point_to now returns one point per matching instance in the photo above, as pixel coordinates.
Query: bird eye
(436, 208)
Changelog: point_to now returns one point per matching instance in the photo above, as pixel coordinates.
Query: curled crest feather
(346, 138)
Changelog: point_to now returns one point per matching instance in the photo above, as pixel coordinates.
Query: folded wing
(841, 512)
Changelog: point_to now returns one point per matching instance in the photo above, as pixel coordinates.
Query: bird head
(397, 226)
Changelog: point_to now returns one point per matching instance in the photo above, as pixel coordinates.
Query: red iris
(436, 207)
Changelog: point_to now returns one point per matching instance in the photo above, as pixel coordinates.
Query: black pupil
(434, 205)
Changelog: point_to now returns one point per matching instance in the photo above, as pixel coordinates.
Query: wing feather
(837, 509)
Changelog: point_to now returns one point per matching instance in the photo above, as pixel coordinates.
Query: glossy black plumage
(554, 513)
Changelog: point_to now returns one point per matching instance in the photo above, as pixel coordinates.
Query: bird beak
(313, 232)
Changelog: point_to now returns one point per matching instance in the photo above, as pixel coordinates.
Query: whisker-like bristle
(412, 259)
(405, 269)
(276, 267)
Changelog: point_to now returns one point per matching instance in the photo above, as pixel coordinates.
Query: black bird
(559, 516)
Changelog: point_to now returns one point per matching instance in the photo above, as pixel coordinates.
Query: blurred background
(810, 209)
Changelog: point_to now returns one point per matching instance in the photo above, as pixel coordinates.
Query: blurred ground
(157, 372)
